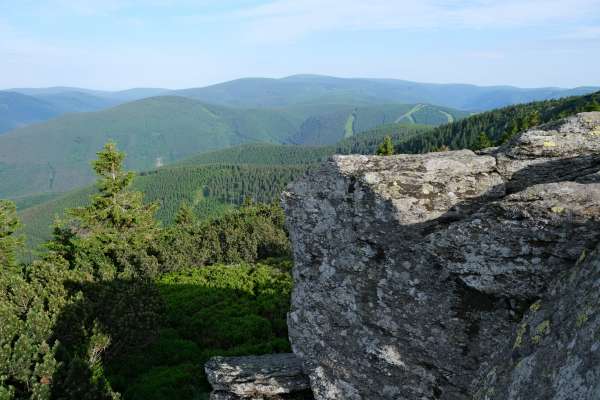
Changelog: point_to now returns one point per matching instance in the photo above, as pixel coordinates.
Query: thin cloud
(283, 20)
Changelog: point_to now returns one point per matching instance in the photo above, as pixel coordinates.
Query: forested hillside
(326, 129)
(497, 126)
(209, 190)
(299, 89)
(53, 156)
(213, 182)
(151, 302)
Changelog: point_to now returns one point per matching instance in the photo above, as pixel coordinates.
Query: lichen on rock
(451, 275)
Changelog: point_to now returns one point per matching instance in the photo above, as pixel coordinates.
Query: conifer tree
(113, 237)
(31, 298)
(386, 148)
(482, 142)
(110, 246)
(9, 224)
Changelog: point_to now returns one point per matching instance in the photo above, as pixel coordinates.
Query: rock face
(273, 376)
(452, 275)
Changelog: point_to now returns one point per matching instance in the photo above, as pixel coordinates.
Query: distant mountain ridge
(299, 89)
(18, 110)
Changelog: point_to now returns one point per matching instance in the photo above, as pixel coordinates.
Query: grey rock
(555, 350)
(412, 273)
(272, 376)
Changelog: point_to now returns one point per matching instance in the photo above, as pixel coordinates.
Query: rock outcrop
(452, 275)
(273, 377)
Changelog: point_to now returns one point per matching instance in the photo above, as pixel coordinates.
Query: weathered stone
(563, 150)
(272, 376)
(413, 272)
(555, 350)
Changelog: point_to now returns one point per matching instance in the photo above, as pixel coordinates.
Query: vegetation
(53, 156)
(217, 310)
(368, 142)
(327, 90)
(497, 126)
(386, 148)
(121, 308)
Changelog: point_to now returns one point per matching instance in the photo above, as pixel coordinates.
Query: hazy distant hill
(18, 110)
(120, 95)
(54, 156)
(22, 107)
(308, 95)
(298, 89)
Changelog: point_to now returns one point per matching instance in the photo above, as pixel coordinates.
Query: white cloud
(283, 20)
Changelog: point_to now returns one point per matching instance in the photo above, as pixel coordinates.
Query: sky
(118, 44)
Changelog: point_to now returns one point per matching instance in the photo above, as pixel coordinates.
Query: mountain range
(298, 90)
(54, 156)
(53, 133)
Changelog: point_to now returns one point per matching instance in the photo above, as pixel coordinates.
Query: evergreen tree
(113, 237)
(9, 224)
(185, 216)
(109, 246)
(31, 299)
(386, 148)
(482, 142)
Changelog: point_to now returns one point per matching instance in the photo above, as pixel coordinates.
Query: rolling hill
(18, 110)
(54, 156)
(315, 89)
(331, 127)
(22, 107)
(303, 95)
(215, 181)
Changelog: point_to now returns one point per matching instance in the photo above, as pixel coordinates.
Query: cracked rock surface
(272, 376)
(415, 274)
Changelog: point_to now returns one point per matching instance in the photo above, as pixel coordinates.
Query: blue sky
(117, 44)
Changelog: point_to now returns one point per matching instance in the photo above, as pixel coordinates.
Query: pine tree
(386, 148)
(31, 299)
(185, 215)
(110, 246)
(482, 142)
(9, 224)
(113, 237)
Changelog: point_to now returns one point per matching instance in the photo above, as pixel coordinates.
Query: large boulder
(414, 273)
